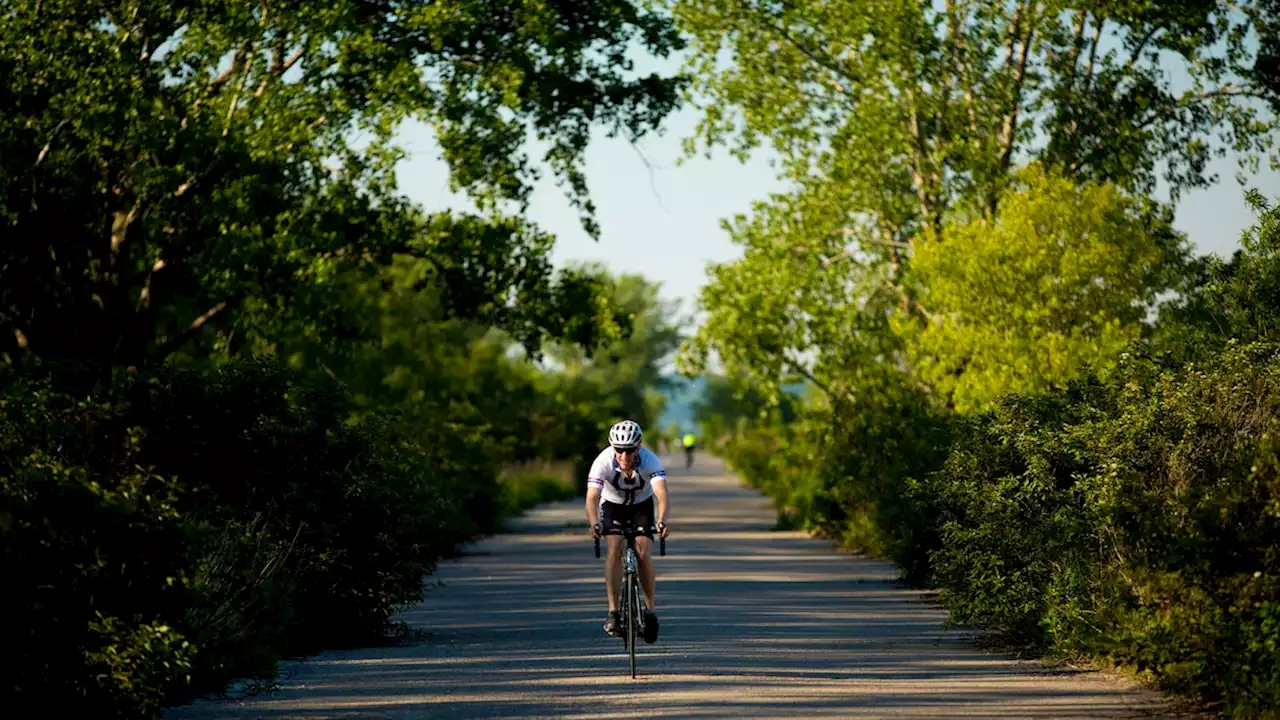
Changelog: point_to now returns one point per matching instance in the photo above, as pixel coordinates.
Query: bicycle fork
(633, 603)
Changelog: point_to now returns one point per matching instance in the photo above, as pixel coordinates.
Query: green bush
(189, 528)
(1011, 514)
(1136, 521)
(92, 550)
(528, 490)
(846, 474)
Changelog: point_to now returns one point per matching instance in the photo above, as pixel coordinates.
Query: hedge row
(157, 539)
(1147, 517)
(1134, 521)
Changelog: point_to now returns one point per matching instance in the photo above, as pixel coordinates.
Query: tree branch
(144, 295)
(1077, 44)
(44, 151)
(966, 72)
(888, 242)
(291, 61)
(955, 29)
(924, 192)
(175, 344)
(179, 22)
(821, 60)
(1189, 98)
(235, 99)
(807, 375)
(279, 66)
(1093, 52)
(1133, 58)
(886, 238)
(120, 223)
(227, 74)
(1009, 130)
(217, 82)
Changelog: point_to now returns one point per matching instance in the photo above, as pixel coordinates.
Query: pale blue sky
(664, 223)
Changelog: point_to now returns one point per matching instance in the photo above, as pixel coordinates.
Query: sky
(662, 219)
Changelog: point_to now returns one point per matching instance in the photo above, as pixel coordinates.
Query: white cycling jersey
(616, 487)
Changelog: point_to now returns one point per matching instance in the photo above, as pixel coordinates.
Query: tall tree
(893, 118)
(626, 371)
(170, 168)
(913, 107)
(1053, 290)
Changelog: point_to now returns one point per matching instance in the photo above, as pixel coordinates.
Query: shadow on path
(755, 624)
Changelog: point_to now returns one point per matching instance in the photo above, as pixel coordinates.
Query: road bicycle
(631, 608)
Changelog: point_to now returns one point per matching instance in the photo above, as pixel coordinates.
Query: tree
(1238, 299)
(585, 394)
(1050, 292)
(630, 367)
(726, 408)
(912, 107)
(796, 311)
(171, 169)
(898, 120)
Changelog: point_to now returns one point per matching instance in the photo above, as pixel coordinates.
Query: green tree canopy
(171, 169)
(900, 120)
(1051, 291)
(914, 107)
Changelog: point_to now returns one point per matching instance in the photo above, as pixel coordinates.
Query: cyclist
(621, 486)
(690, 442)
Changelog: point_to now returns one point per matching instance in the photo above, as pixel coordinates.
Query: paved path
(755, 624)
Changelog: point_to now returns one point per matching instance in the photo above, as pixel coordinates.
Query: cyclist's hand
(663, 530)
(595, 531)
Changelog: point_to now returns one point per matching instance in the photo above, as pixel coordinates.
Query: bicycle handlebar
(662, 542)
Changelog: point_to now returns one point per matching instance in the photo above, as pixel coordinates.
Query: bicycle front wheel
(633, 616)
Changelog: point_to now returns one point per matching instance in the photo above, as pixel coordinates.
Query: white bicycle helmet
(625, 435)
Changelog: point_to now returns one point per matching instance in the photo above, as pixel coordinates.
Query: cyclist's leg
(644, 548)
(610, 515)
(647, 572)
(613, 570)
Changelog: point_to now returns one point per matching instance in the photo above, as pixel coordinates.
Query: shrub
(1011, 514)
(1137, 522)
(528, 490)
(184, 529)
(92, 556)
(846, 474)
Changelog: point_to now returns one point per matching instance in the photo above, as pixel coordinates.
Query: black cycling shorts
(614, 516)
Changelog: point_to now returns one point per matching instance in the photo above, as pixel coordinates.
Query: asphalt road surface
(755, 623)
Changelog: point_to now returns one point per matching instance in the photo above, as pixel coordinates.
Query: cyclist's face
(627, 458)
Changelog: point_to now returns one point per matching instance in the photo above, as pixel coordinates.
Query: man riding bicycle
(624, 480)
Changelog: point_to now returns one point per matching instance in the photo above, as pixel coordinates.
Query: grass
(528, 485)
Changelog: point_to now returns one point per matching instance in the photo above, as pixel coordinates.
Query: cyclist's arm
(658, 479)
(595, 486)
(660, 492)
(593, 505)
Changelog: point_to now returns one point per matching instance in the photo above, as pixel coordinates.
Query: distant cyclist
(690, 442)
(621, 486)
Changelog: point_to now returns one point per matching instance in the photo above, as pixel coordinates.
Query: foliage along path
(755, 623)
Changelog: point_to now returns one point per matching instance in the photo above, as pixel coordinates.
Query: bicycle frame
(632, 609)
